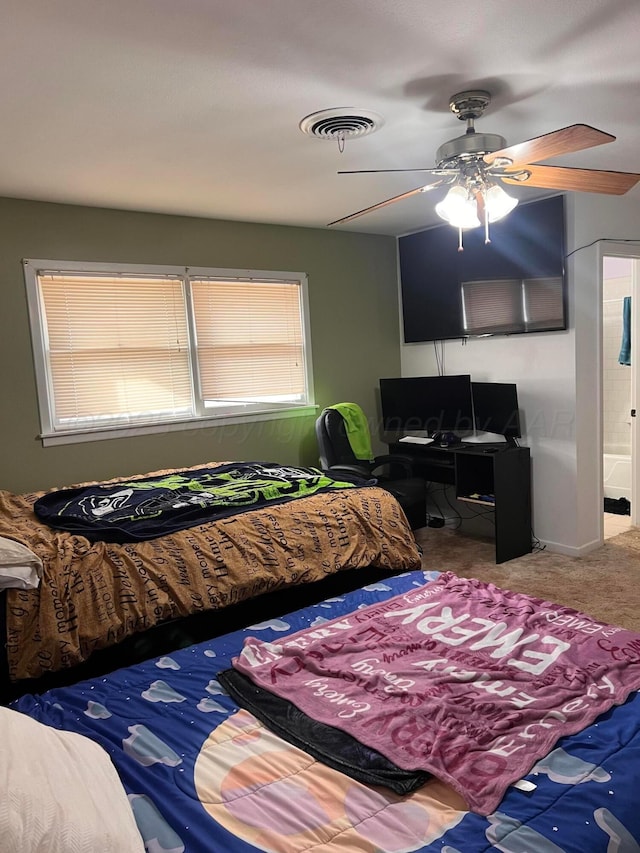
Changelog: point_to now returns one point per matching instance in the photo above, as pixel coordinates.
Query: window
(128, 349)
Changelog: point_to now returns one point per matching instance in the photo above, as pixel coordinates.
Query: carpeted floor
(605, 584)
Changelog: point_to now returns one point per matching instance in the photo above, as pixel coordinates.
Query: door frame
(610, 248)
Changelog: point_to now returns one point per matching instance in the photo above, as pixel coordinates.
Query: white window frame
(50, 435)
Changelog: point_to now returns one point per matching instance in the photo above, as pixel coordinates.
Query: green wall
(354, 329)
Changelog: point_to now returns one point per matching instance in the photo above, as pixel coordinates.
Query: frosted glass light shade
(458, 209)
(498, 203)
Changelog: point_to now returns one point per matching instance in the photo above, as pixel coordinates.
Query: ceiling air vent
(341, 123)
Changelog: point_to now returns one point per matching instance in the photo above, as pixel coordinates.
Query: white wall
(557, 374)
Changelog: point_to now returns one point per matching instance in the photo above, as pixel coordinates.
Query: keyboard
(416, 439)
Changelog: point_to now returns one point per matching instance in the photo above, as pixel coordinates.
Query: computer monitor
(430, 404)
(495, 410)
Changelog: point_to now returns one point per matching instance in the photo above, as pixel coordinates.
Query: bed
(99, 595)
(203, 775)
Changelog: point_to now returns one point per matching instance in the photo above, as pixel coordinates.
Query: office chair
(393, 472)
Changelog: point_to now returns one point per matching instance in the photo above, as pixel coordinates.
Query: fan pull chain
(460, 246)
(487, 239)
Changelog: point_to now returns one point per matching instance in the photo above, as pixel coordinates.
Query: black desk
(500, 481)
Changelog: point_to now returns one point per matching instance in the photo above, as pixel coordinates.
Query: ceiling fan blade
(384, 203)
(577, 180)
(434, 171)
(576, 137)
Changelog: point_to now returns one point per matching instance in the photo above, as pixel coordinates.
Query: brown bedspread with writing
(93, 595)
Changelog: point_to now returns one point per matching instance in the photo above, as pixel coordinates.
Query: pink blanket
(460, 678)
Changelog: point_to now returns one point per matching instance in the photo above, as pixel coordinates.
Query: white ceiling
(192, 106)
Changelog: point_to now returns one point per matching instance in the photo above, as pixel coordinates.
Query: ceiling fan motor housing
(470, 146)
(468, 106)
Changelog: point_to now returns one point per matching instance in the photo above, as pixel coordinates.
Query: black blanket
(328, 744)
(131, 511)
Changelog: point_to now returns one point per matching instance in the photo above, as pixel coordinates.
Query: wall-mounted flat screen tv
(514, 284)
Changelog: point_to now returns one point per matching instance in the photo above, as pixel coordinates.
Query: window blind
(117, 347)
(249, 340)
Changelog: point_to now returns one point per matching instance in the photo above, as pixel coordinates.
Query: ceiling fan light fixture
(458, 209)
(498, 203)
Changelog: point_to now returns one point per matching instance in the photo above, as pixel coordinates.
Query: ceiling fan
(478, 164)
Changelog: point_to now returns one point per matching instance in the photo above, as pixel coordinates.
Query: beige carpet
(605, 584)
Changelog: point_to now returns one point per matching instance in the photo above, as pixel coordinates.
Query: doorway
(619, 391)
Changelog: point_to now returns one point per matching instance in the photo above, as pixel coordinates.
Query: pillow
(20, 568)
(59, 792)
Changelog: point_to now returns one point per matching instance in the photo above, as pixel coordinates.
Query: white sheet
(20, 568)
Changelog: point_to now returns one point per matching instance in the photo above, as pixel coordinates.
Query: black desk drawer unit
(500, 480)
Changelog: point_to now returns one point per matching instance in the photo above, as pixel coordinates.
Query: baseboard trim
(571, 550)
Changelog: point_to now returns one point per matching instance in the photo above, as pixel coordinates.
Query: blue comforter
(205, 777)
